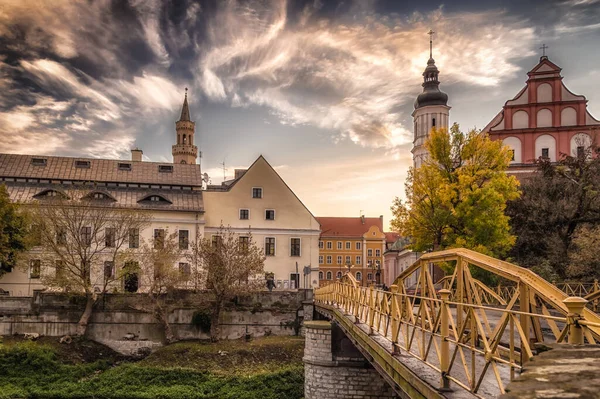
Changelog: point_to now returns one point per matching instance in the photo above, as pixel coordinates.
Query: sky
(324, 89)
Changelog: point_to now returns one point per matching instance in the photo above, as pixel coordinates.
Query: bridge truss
(475, 338)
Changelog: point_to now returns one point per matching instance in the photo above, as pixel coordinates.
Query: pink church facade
(544, 119)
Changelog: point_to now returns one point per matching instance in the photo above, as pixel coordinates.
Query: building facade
(544, 120)
(354, 245)
(173, 198)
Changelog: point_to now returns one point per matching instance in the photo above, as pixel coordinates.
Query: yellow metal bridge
(458, 337)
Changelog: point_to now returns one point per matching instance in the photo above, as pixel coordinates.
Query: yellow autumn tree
(457, 197)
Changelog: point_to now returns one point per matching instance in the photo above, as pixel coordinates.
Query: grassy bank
(266, 368)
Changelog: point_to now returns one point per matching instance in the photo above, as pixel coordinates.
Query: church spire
(185, 110)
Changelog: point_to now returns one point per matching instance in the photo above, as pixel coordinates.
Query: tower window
(545, 153)
(433, 122)
(580, 152)
(184, 139)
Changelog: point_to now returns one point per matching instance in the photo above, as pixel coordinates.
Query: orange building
(354, 244)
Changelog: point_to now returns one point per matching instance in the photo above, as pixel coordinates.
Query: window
(358, 276)
(358, 259)
(184, 269)
(244, 214)
(270, 246)
(155, 198)
(370, 276)
(159, 238)
(338, 275)
(329, 259)
(100, 196)
(320, 275)
(270, 214)
(59, 268)
(358, 246)
(61, 236)
(244, 243)
(545, 153)
(216, 240)
(339, 259)
(165, 168)
(580, 152)
(109, 270)
(86, 236)
(369, 252)
(329, 275)
(321, 246)
(329, 245)
(348, 259)
(110, 237)
(348, 245)
(35, 266)
(134, 238)
(295, 247)
(378, 252)
(432, 122)
(257, 192)
(184, 239)
(124, 166)
(39, 161)
(320, 259)
(82, 164)
(339, 245)
(512, 154)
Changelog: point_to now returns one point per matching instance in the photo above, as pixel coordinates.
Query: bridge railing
(472, 338)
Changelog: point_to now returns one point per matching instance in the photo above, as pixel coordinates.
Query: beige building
(257, 202)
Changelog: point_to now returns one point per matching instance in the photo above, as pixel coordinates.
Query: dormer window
(155, 199)
(99, 196)
(124, 166)
(82, 164)
(50, 194)
(39, 161)
(165, 168)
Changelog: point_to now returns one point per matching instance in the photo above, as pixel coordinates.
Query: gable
(290, 213)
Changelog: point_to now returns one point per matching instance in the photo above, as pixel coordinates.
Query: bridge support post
(445, 344)
(575, 305)
(395, 320)
(335, 369)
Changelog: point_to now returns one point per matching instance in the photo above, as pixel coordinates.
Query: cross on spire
(543, 48)
(430, 33)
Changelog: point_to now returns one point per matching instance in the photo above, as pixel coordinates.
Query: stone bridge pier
(334, 368)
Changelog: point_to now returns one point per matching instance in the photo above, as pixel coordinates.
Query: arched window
(338, 275)
(579, 144)
(358, 276)
(328, 275)
(184, 139)
(545, 147)
(568, 117)
(544, 118)
(520, 120)
(544, 93)
(320, 275)
(515, 146)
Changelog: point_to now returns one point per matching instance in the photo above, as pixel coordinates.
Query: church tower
(185, 151)
(431, 108)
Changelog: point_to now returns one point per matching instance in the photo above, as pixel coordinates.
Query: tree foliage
(76, 236)
(457, 198)
(232, 265)
(557, 219)
(14, 232)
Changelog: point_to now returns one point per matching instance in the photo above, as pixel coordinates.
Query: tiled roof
(181, 200)
(99, 170)
(391, 237)
(347, 227)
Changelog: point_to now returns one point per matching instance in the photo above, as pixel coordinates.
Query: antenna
(224, 169)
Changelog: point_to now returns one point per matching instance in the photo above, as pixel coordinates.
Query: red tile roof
(347, 227)
(391, 237)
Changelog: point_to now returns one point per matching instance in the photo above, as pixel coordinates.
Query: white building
(172, 194)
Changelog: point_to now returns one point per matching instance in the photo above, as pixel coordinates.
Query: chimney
(136, 155)
(239, 173)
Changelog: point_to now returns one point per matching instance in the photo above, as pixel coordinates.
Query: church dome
(431, 95)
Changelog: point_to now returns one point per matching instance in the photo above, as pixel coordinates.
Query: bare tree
(233, 265)
(161, 275)
(83, 242)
